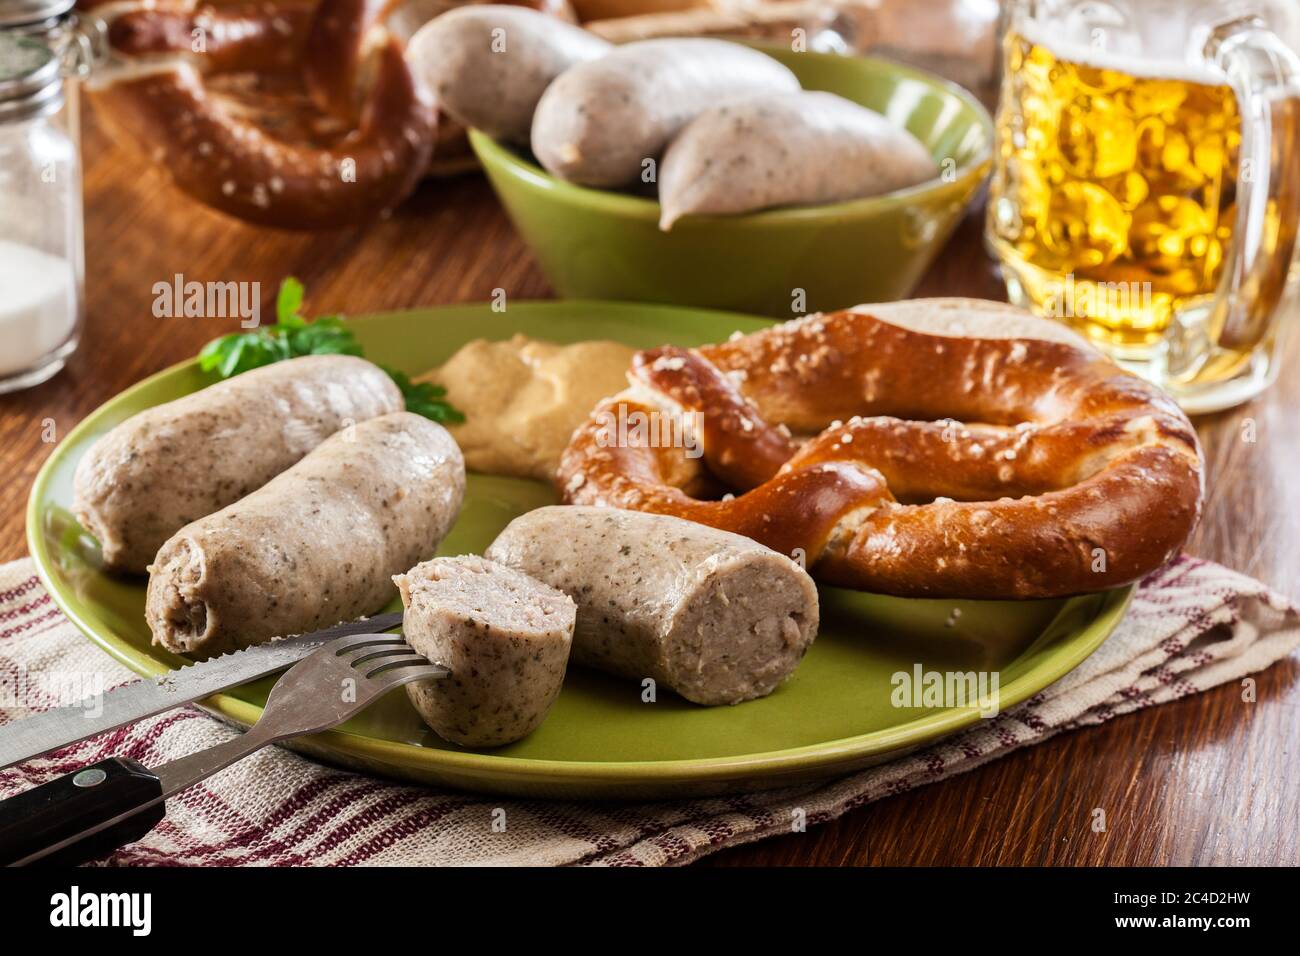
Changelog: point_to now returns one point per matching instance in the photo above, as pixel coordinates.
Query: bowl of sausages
(705, 172)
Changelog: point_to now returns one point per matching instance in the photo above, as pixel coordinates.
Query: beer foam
(1159, 65)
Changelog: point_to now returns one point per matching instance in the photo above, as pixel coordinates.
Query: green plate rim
(808, 758)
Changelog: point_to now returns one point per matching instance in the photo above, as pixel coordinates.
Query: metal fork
(117, 801)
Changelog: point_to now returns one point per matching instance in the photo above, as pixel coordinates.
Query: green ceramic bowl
(595, 244)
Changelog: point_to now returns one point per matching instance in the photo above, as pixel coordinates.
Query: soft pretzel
(298, 114)
(943, 448)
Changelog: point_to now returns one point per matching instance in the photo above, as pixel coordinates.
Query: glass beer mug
(1147, 182)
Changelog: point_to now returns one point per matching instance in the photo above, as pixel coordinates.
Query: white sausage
(715, 616)
(488, 65)
(174, 463)
(316, 545)
(793, 149)
(505, 637)
(600, 122)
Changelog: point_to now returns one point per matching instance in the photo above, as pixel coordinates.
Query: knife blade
(33, 736)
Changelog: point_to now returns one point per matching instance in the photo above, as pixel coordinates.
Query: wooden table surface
(1207, 780)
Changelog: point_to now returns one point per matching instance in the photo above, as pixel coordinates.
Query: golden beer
(1114, 199)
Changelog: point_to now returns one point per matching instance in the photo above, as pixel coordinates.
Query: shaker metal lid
(31, 79)
(20, 12)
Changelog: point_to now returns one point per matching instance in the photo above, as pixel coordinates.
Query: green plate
(834, 715)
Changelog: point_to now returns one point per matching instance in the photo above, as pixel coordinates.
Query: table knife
(92, 810)
(32, 736)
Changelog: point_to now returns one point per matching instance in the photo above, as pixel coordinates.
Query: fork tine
(404, 671)
(404, 651)
(370, 640)
(353, 641)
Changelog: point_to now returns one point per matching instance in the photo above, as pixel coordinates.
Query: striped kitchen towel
(1191, 626)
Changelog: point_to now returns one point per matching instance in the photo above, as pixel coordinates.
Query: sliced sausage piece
(599, 122)
(506, 638)
(712, 615)
(792, 149)
(489, 65)
(316, 545)
(175, 463)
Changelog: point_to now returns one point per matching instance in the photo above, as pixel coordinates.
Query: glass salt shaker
(41, 238)
(78, 41)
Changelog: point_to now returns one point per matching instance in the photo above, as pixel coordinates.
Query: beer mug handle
(1265, 74)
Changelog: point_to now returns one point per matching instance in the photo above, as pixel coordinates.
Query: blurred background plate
(599, 244)
(834, 715)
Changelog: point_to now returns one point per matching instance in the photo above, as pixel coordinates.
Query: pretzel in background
(299, 114)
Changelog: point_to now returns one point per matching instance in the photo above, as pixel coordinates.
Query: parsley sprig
(292, 335)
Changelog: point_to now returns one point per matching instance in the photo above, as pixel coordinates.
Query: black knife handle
(40, 818)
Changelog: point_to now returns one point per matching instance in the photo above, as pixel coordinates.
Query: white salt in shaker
(41, 239)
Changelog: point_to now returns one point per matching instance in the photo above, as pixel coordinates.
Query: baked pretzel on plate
(299, 114)
(934, 448)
